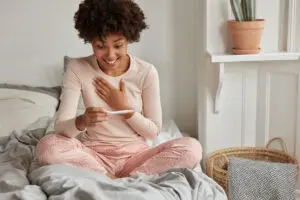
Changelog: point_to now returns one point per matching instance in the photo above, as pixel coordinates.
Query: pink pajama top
(143, 94)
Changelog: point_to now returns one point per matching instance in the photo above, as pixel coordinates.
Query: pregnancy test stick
(119, 112)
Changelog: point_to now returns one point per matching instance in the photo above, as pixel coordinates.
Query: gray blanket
(22, 178)
(261, 180)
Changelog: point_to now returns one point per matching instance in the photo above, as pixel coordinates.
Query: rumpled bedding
(21, 177)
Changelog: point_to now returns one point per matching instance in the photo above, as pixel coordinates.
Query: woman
(110, 79)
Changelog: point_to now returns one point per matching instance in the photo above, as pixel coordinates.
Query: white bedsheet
(168, 132)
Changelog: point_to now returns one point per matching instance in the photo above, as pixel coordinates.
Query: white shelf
(219, 61)
(278, 56)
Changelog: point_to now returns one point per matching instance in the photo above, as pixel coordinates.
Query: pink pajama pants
(121, 159)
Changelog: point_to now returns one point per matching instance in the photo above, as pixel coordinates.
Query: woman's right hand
(92, 117)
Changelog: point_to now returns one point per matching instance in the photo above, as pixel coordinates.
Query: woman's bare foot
(111, 176)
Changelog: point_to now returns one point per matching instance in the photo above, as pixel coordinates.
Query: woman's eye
(118, 46)
(100, 47)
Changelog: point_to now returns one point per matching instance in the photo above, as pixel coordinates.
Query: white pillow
(20, 108)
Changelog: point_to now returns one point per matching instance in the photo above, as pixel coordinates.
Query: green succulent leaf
(243, 10)
(236, 9)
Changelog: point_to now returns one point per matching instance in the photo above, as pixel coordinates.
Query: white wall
(34, 37)
(36, 34)
(170, 45)
(241, 120)
(259, 100)
(298, 26)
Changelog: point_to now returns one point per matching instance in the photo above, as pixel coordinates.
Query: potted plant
(246, 30)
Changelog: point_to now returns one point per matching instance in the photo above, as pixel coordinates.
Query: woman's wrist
(127, 115)
(79, 123)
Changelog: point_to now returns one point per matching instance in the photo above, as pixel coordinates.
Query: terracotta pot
(246, 36)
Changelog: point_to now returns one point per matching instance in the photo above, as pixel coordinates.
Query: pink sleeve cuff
(67, 128)
(143, 126)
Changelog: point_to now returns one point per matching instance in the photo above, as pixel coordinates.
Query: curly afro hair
(95, 19)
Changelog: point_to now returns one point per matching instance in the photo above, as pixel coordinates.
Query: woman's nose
(110, 53)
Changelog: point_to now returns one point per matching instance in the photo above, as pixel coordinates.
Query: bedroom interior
(221, 99)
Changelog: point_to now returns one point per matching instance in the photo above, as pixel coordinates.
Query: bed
(27, 115)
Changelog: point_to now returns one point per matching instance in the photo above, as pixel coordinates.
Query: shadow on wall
(155, 48)
(184, 54)
(170, 45)
(224, 32)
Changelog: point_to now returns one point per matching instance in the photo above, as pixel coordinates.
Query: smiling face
(111, 54)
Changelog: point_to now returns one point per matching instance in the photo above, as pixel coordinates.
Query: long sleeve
(66, 115)
(148, 124)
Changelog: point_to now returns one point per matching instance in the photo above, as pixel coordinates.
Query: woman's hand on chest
(115, 97)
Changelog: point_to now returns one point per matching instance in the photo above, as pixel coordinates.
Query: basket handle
(283, 143)
(211, 171)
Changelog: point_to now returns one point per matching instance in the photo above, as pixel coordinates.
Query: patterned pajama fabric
(120, 159)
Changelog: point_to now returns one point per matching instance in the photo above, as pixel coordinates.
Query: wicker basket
(217, 163)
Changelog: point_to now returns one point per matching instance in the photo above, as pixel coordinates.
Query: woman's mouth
(111, 62)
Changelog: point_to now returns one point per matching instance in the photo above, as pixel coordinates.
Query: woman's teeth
(111, 62)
